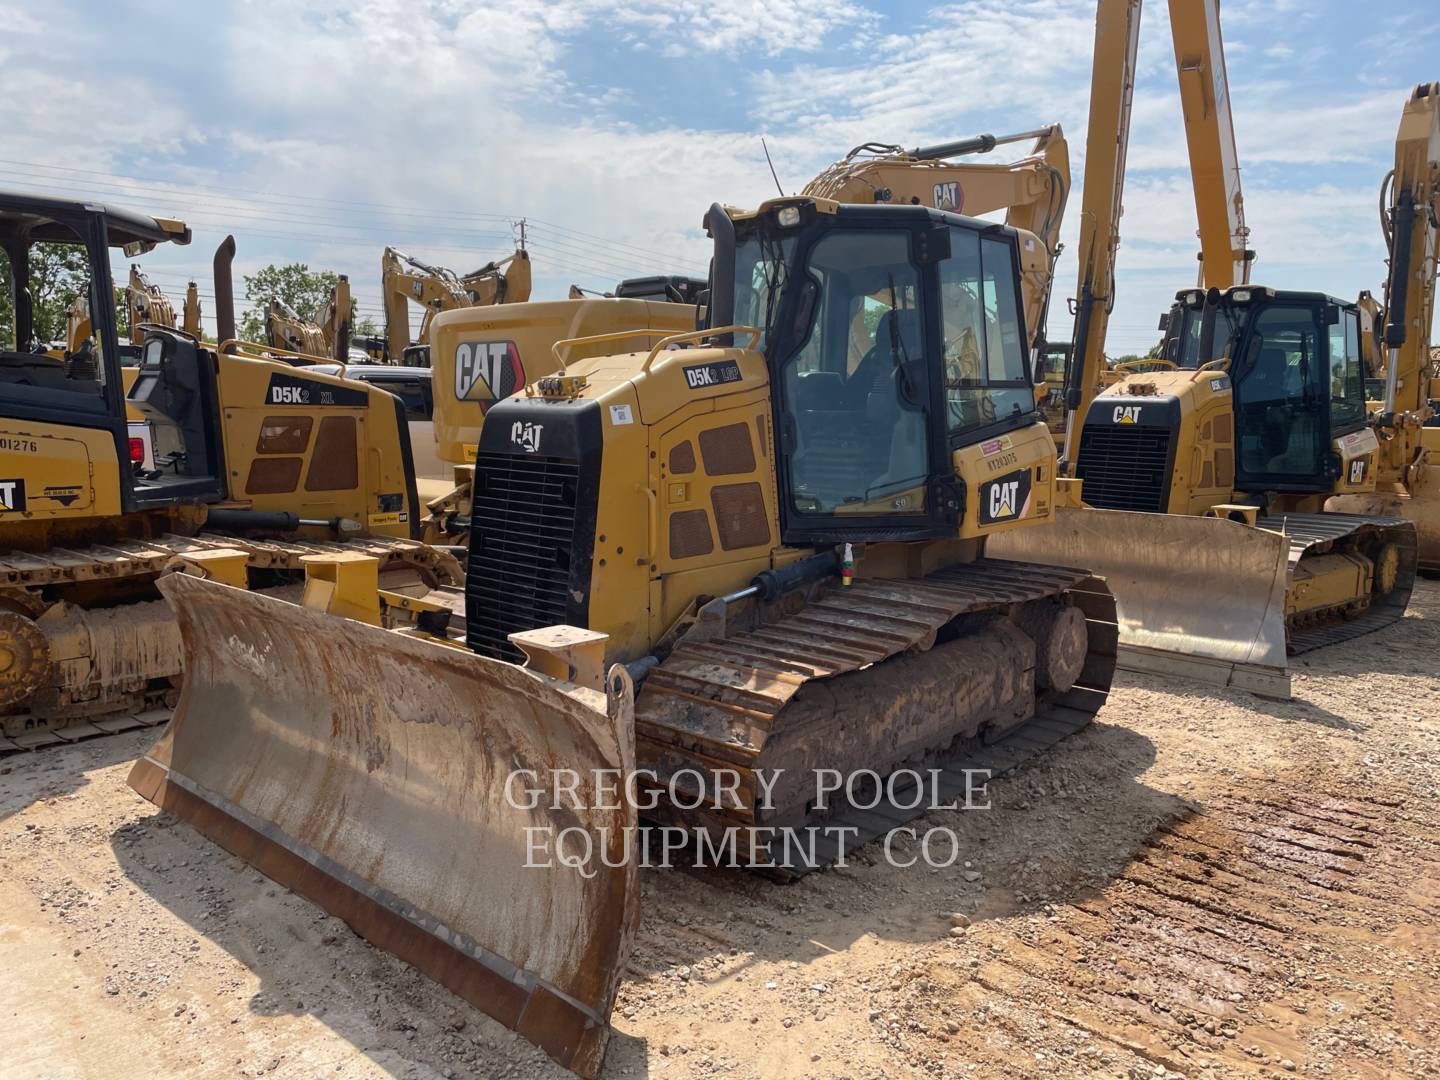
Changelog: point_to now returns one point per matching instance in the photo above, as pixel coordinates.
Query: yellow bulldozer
(775, 526)
(252, 466)
(1212, 490)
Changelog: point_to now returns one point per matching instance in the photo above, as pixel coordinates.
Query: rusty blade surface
(368, 771)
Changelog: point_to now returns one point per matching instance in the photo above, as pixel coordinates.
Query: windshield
(1192, 351)
(856, 388)
(51, 345)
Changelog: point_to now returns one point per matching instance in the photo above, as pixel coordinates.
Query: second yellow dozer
(779, 540)
(1205, 485)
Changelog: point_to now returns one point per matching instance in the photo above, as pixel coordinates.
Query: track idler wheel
(24, 659)
(1387, 568)
(1061, 642)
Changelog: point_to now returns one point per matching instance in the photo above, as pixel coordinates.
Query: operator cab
(1294, 359)
(81, 385)
(895, 336)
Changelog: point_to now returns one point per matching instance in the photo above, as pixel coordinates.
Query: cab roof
(44, 217)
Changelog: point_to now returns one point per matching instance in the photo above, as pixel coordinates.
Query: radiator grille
(522, 549)
(1125, 467)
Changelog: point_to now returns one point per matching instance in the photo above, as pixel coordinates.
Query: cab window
(56, 349)
(986, 379)
(1280, 395)
(855, 390)
(1347, 376)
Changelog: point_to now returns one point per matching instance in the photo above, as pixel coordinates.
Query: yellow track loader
(1205, 485)
(253, 465)
(776, 526)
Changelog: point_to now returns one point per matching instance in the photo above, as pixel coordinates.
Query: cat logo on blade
(487, 367)
(12, 496)
(526, 435)
(1127, 414)
(1005, 498)
(716, 374)
(289, 390)
(948, 196)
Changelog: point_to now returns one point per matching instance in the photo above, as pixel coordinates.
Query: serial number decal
(19, 446)
(995, 464)
(699, 376)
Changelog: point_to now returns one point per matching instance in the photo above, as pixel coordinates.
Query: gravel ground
(1201, 884)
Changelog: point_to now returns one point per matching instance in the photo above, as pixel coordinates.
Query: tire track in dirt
(1281, 928)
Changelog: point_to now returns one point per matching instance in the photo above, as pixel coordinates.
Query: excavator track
(944, 673)
(1312, 535)
(70, 671)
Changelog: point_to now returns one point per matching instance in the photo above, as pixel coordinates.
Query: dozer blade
(1198, 597)
(367, 770)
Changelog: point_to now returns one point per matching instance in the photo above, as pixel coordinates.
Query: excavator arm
(1411, 220)
(1225, 255)
(192, 310)
(1112, 91)
(145, 303)
(405, 280)
(1031, 191)
(285, 329)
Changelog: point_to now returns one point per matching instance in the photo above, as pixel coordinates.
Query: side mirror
(1164, 326)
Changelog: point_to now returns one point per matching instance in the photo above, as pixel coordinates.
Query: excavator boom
(1225, 255)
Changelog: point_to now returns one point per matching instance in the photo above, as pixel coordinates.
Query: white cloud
(468, 110)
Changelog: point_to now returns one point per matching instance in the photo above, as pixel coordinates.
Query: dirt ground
(1201, 884)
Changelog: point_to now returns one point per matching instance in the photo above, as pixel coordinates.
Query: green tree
(306, 291)
(58, 274)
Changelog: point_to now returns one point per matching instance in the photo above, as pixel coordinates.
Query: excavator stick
(1223, 601)
(370, 771)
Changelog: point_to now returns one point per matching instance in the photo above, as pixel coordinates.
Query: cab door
(1282, 398)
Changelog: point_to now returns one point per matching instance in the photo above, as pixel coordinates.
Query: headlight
(788, 217)
(1241, 296)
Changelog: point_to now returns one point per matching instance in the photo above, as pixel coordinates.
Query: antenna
(772, 166)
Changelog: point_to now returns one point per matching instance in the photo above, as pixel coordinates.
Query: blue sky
(320, 131)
